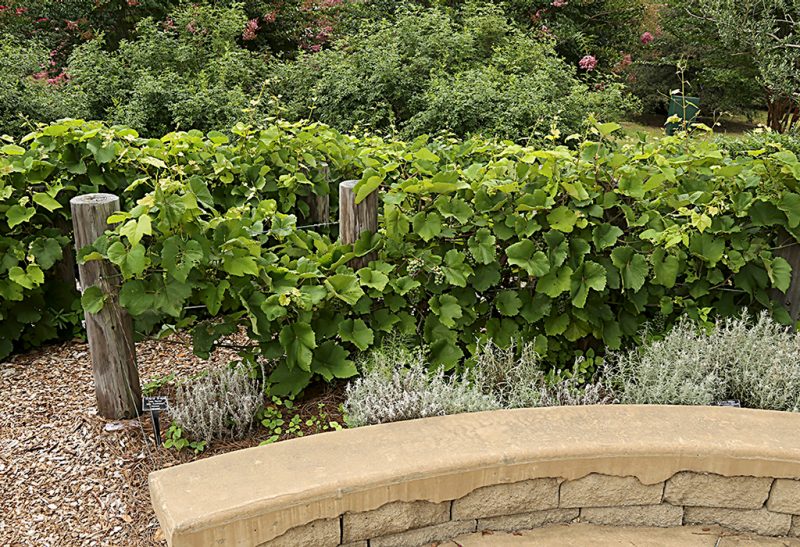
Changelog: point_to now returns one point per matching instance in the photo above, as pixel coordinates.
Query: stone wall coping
(256, 494)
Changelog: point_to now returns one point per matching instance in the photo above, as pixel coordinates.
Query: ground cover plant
(744, 360)
(571, 249)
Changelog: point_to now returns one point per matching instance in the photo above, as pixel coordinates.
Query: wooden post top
(93, 199)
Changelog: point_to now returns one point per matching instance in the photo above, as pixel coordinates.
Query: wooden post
(790, 251)
(357, 219)
(320, 206)
(109, 332)
(319, 209)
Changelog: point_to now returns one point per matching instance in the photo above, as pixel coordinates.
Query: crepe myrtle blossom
(559, 3)
(646, 38)
(588, 63)
(250, 30)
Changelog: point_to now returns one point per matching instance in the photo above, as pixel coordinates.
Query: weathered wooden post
(320, 206)
(789, 249)
(110, 331)
(357, 219)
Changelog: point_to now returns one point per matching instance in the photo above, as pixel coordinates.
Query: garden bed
(73, 478)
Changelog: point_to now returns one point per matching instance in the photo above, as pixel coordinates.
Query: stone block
(427, 535)
(323, 532)
(597, 490)
(661, 516)
(706, 490)
(507, 499)
(393, 517)
(785, 497)
(758, 521)
(528, 521)
(795, 529)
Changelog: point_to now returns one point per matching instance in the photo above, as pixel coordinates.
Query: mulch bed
(70, 477)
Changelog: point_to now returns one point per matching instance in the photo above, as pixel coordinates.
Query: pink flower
(271, 16)
(559, 3)
(41, 19)
(191, 27)
(3, 8)
(646, 38)
(588, 63)
(316, 48)
(71, 25)
(133, 3)
(20, 11)
(250, 30)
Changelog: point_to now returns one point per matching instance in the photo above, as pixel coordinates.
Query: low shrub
(681, 369)
(219, 404)
(755, 362)
(517, 378)
(397, 384)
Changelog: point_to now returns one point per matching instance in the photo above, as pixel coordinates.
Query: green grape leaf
(17, 214)
(632, 267)
(427, 226)
(525, 255)
(590, 275)
(330, 361)
(44, 200)
(447, 308)
(93, 299)
(240, 265)
(508, 303)
(555, 282)
(482, 246)
(456, 270)
(605, 236)
(373, 279)
(665, 268)
(47, 252)
(357, 332)
(562, 219)
(345, 287)
(298, 341)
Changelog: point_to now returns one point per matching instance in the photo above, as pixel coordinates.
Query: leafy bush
(426, 72)
(187, 73)
(754, 362)
(396, 384)
(573, 250)
(28, 91)
(221, 403)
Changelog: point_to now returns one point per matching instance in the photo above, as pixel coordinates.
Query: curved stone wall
(416, 482)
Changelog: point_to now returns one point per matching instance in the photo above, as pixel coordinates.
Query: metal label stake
(155, 405)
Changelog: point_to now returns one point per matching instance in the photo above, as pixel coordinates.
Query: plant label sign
(155, 405)
(150, 404)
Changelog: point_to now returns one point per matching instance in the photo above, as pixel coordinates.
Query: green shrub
(573, 250)
(426, 72)
(28, 92)
(188, 74)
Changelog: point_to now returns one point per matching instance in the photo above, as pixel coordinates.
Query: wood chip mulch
(69, 477)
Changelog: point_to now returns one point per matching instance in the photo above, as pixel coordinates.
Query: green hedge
(575, 249)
